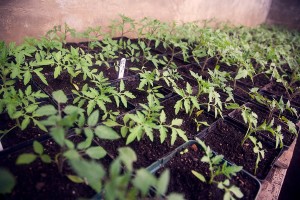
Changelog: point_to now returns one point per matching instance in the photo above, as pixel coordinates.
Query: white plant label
(122, 68)
(1, 147)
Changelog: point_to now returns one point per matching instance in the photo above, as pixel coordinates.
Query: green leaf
(107, 133)
(7, 181)
(187, 105)
(40, 125)
(96, 152)
(60, 96)
(162, 133)
(27, 77)
(111, 123)
(41, 76)
(144, 180)
(57, 71)
(242, 73)
(25, 158)
(69, 109)
(58, 134)
(72, 154)
(128, 156)
(31, 108)
(75, 179)
(46, 110)
(162, 117)
(93, 118)
(38, 148)
(93, 175)
(199, 176)
(124, 131)
(162, 183)
(236, 191)
(122, 86)
(25, 123)
(46, 158)
(176, 122)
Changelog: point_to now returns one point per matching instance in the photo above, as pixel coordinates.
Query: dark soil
(276, 89)
(225, 138)
(16, 135)
(259, 80)
(185, 70)
(183, 181)
(43, 181)
(62, 82)
(147, 151)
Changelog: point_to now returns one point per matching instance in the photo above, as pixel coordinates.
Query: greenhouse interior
(150, 99)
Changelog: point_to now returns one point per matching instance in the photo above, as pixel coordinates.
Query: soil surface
(43, 181)
(183, 181)
(225, 138)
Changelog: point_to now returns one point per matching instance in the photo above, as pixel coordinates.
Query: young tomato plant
(218, 167)
(148, 120)
(21, 107)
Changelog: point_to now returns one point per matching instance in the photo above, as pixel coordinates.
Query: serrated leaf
(31, 108)
(25, 158)
(25, 123)
(40, 125)
(46, 110)
(242, 73)
(162, 182)
(60, 96)
(41, 76)
(111, 123)
(128, 156)
(107, 133)
(144, 180)
(58, 134)
(176, 122)
(27, 77)
(162, 117)
(96, 152)
(93, 118)
(93, 176)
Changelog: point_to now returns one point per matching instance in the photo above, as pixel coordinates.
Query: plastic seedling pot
(288, 137)
(30, 176)
(285, 100)
(225, 137)
(186, 158)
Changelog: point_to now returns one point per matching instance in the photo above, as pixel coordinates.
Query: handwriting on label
(122, 68)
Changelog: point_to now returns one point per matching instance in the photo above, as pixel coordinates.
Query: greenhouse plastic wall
(19, 19)
(286, 13)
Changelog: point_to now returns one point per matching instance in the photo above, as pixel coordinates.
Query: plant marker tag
(1, 147)
(122, 68)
